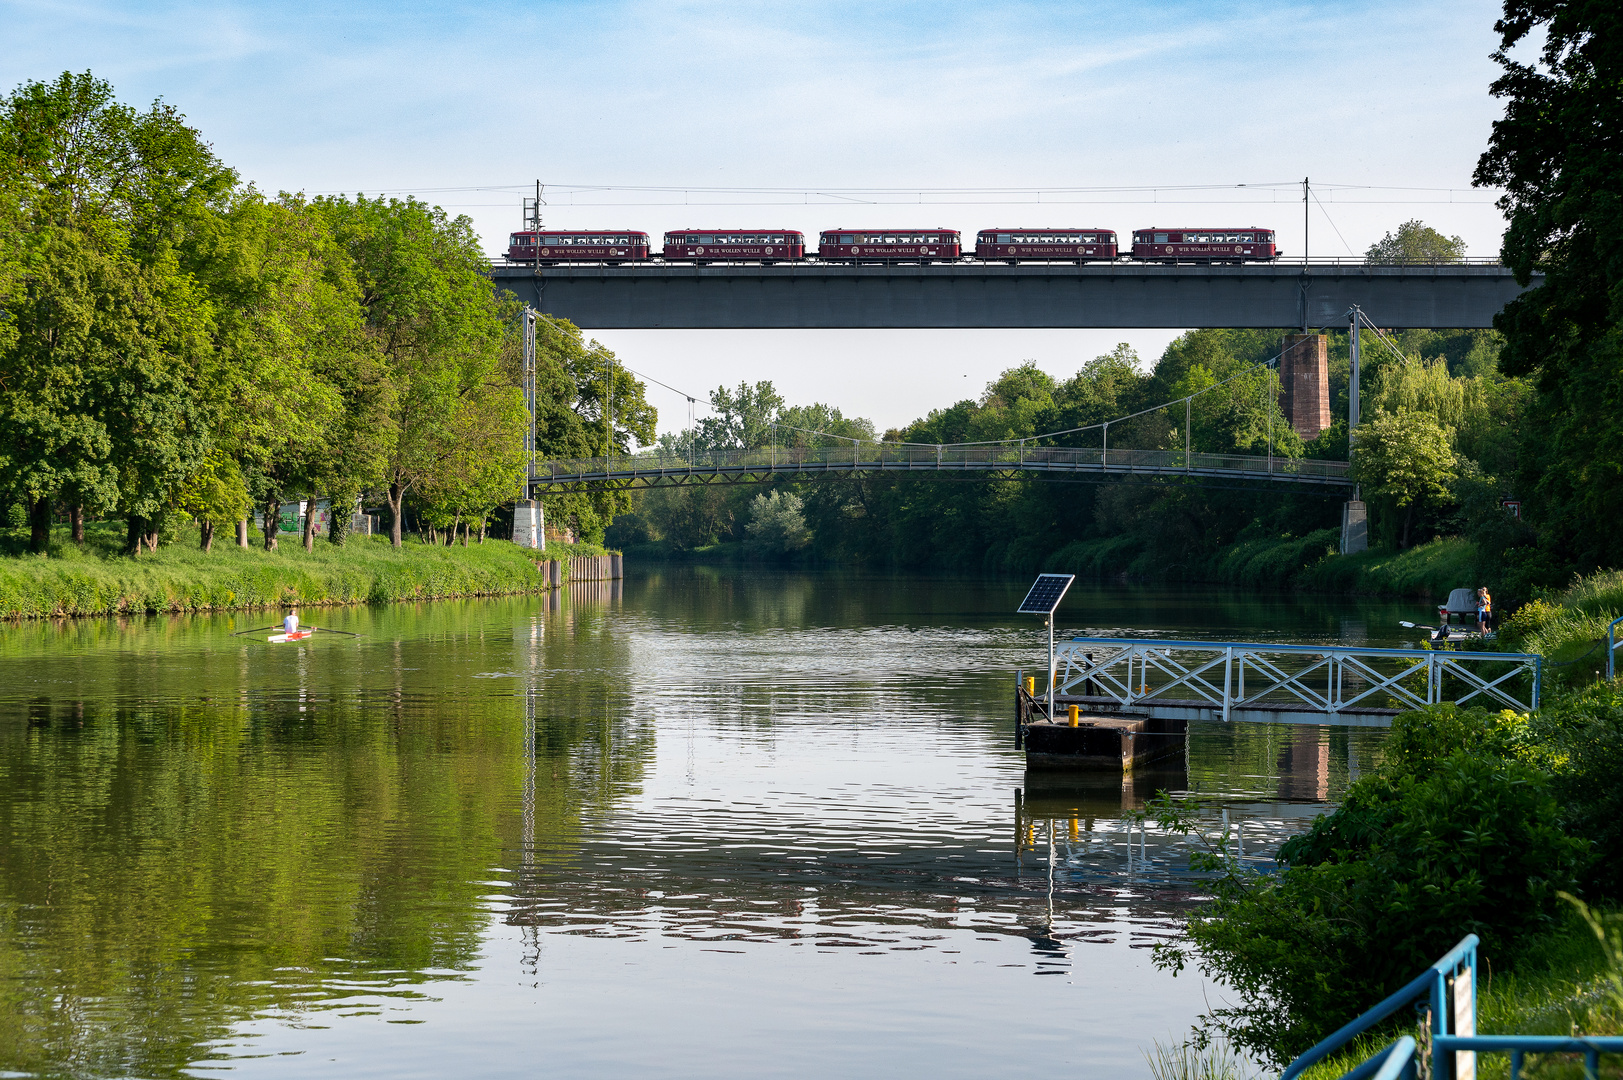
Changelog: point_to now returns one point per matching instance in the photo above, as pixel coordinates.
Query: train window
(846, 238)
(1161, 237)
(1003, 238)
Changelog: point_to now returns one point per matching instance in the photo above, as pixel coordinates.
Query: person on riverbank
(1484, 609)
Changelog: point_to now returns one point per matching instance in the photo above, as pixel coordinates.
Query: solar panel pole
(1050, 665)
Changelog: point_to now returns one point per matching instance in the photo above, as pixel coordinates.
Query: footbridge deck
(656, 469)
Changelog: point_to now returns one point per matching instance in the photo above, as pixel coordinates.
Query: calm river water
(710, 823)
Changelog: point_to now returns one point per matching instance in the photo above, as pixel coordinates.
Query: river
(710, 822)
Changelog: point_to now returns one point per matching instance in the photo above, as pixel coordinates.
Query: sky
(817, 115)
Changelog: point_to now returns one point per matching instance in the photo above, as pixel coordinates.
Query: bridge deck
(877, 459)
(972, 294)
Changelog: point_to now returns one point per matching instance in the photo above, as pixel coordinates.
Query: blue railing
(1611, 646)
(1432, 983)
(1449, 986)
(1396, 1062)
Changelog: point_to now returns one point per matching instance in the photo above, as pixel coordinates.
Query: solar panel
(1046, 594)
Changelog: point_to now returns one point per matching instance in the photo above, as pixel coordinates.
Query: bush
(777, 524)
(1381, 887)
(1587, 729)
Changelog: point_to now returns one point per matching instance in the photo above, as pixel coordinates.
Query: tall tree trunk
(134, 529)
(310, 523)
(205, 533)
(152, 538)
(39, 525)
(450, 539)
(396, 497)
(1408, 517)
(273, 522)
(242, 532)
(76, 517)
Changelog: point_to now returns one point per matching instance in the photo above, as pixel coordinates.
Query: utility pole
(1355, 316)
(532, 221)
(1304, 223)
(1354, 516)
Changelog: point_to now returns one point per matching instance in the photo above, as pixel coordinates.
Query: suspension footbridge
(946, 462)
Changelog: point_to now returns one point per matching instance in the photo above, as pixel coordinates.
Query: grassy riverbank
(98, 580)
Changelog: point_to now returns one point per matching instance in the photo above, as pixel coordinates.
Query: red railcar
(1029, 245)
(1207, 245)
(547, 248)
(734, 245)
(890, 245)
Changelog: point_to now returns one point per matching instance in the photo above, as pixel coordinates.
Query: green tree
(576, 382)
(435, 321)
(740, 419)
(1555, 155)
(1415, 241)
(109, 342)
(776, 526)
(1406, 459)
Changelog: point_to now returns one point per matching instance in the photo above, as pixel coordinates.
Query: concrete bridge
(1120, 295)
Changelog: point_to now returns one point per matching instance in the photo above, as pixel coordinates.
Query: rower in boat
(290, 629)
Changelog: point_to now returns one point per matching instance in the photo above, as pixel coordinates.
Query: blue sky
(1384, 105)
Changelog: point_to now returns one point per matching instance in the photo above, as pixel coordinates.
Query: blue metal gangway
(1446, 996)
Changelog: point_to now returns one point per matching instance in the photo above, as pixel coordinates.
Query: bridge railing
(1327, 679)
(904, 456)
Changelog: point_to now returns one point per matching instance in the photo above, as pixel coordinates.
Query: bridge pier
(1354, 527)
(1304, 378)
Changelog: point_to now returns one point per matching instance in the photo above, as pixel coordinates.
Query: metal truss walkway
(655, 469)
(1274, 683)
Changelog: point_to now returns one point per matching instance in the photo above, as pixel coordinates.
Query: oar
(257, 630)
(329, 630)
(1415, 626)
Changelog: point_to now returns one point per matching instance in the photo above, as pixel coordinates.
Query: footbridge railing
(661, 469)
(1316, 684)
(1445, 996)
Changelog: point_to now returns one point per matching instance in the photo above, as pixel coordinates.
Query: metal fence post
(1228, 682)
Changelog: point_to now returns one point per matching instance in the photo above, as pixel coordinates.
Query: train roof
(1196, 228)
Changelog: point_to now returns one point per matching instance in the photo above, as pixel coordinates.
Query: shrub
(1377, 890)
(777, 524)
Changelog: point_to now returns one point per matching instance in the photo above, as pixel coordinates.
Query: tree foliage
(174, 344)
(1555, 154)
(1415, 241)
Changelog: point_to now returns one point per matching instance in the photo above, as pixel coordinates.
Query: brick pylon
(1304, 376)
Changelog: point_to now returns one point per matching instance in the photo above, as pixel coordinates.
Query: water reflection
(777, 797)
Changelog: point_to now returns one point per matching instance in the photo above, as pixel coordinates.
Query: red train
(1012, 245)
(890, 245)
(1046, 245)
(734, 245)
(1207, 245)
(582, 246)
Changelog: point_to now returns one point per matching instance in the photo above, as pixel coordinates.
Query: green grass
(98, 580)
(1568, 628)
(1431, 569)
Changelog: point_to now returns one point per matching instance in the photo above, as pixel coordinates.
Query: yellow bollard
(1031, 685)
(1075, 713)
